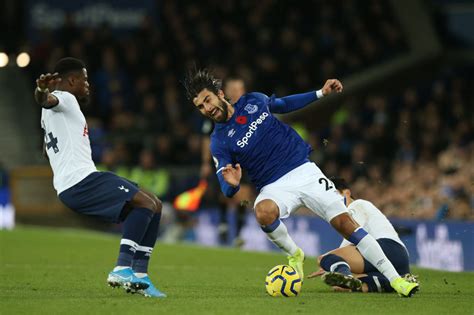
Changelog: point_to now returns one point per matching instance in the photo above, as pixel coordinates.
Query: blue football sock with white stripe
(144, 250)
(134, 228)
(334, 263)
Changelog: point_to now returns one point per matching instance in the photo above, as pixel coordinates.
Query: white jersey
(372, 220)
(67, 142)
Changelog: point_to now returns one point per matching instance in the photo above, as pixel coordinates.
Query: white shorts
(305, 186)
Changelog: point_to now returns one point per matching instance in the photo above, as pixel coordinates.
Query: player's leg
(267, 214)
(143, 253)
(398, 256)
(371, 282)
(375, 282)
(112, 198)
(136, 216)
(320, 195)
(342, 259)
(140, 211)
(395, 252)
(338, 269)
(370, 250)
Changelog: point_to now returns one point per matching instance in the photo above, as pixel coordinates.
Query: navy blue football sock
(134, 228)
(143, 253)
(271, 227)
(377, 282)
(334, 263)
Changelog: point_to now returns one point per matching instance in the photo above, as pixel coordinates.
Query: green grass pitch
(56, 271)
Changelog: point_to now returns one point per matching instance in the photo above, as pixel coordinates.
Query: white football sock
(371, 250)
(282, 239)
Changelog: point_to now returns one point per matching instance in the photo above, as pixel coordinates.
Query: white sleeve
(65, 101)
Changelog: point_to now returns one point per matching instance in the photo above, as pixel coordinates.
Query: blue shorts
(395, 252)
(100, 194)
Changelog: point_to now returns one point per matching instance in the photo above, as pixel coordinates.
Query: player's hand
(232, 175)
(332, 85)
(318, 273)
(48, 81)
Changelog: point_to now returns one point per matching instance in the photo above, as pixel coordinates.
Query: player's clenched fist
(232, 175)
(332, 85)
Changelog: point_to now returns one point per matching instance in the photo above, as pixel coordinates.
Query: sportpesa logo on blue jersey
(252, 127)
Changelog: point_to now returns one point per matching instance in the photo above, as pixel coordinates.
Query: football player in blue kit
(248, 136)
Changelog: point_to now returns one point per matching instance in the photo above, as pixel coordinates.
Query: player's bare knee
(319, 259)
(154, 204)
(266, 212)
(344, 224)
(144, 200)
(158, 205)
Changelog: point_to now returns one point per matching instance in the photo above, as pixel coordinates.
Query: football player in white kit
(82, 188)
(345, 268)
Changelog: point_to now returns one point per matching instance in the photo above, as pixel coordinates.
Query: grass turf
(51, 271)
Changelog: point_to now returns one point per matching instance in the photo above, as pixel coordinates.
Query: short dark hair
(67, 65)
(340, 183)
(199, 79)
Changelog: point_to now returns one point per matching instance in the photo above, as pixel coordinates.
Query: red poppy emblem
(241, 120)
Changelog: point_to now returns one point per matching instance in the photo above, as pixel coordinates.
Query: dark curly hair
(199, 79)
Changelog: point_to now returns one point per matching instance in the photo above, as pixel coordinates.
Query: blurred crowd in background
(410, 153)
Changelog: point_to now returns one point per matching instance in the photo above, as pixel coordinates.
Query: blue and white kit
(274, 156)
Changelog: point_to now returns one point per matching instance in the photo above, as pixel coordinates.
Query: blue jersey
(264, 146)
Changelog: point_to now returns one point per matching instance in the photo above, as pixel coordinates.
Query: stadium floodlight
(23, 59)
(3, 59)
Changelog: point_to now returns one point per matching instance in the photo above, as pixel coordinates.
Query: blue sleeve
(291, 103)
(221, 158)
(227, 189)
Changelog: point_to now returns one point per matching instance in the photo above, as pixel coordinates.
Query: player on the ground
(275, 157)
(234, 88)
(82, 188)
(345, 268)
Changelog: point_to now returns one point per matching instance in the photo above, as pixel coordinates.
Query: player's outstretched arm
(294, 102)
(42, 95)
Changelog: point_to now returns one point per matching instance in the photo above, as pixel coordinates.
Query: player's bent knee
(319, 259)
(158, 205)
(266, 212)
(147, 201)
(344, 224)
